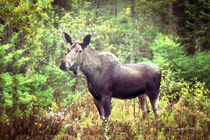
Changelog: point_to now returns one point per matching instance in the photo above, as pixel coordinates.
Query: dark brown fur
(107, 78)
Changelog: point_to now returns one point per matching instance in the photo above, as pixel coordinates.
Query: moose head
(74, 57)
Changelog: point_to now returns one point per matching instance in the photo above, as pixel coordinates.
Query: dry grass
(81, 121)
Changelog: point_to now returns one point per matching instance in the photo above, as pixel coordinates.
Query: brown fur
(107, 78)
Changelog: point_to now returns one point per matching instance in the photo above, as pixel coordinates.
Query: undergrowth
(188, 118)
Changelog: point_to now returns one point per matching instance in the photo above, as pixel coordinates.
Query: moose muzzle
(66, 68)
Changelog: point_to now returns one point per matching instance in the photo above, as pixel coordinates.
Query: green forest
(40, 101)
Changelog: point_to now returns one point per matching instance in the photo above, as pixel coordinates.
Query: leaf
(8, 99)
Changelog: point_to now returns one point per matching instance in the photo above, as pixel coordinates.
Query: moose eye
(69, 50)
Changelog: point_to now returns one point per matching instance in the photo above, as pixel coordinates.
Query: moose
(107, 77)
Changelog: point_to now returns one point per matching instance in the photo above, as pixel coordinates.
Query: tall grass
(188, 118)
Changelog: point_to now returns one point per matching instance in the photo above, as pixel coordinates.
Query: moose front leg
(98, 104)
(106, 102)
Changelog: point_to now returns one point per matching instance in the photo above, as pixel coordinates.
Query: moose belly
(124, 92)
(127, 85)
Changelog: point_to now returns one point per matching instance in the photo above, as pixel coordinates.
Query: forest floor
(81, 121)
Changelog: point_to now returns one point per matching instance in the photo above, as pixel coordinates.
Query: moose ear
(67, 38)
(86, 41)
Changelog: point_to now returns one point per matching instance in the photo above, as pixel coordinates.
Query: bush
(169, 54)
(27, 39)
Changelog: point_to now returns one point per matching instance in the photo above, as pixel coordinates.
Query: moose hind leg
(98, 104)
(144, 104)
(155, 105)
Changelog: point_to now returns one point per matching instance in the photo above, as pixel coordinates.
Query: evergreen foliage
(169, 54)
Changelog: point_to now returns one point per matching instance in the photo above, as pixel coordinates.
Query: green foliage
(189, 19)
(27, 36)
(60, 83)
(182, 119)
(196, 21)
(169, 54)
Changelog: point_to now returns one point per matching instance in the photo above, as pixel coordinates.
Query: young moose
(107, 77)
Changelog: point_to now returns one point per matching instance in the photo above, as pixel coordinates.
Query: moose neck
(91, 65)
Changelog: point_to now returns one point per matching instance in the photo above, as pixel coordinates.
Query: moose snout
(63, 66)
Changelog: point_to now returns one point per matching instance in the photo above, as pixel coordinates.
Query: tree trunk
(171, 28)
(133, 8)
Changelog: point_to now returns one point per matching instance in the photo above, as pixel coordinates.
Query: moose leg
(155, 106)
(106, 101)
(98, 104)
(144, 104)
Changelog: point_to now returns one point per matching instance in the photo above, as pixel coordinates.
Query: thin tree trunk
(171, 30)
(132, 8)
(115, 9)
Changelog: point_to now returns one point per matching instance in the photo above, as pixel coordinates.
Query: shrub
(168, 53)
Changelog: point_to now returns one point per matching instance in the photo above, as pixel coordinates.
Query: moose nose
(62, 66)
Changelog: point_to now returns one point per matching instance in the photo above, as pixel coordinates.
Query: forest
(40, 101)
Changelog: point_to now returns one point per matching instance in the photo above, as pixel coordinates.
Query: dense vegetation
(39, 100)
